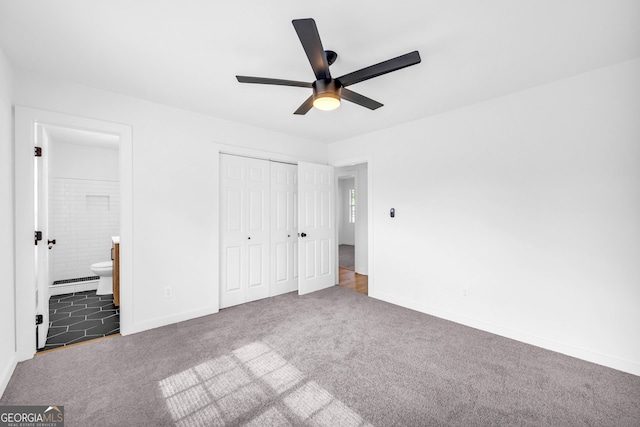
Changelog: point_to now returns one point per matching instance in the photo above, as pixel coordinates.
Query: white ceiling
(187, 53)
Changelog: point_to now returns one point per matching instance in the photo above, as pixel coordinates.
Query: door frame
(353, 161)
(25, 310)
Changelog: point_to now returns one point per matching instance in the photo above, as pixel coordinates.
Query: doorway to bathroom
(77, 190)
(32, 280)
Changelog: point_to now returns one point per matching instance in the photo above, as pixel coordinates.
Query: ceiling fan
(328, 91)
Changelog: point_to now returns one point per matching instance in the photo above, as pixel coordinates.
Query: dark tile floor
(81, 316)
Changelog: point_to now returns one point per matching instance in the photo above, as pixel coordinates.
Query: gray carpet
(332, 358)
(346, 256)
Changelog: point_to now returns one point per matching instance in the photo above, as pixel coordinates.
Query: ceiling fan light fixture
(326, 94)
(326, 101)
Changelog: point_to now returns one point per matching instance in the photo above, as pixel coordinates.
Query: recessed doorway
(352, 225)
(79, 213)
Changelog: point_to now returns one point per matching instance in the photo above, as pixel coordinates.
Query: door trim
(24, 120)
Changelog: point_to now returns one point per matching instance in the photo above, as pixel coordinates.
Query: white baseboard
(580, 353)
(6, 374)
(68, 288)
(167, 320)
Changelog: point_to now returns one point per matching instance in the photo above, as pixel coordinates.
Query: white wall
(84, 207)
(346, 229)
(175, 190)
(77, 161)
(7, 318)
(529, 202)
(83, 216)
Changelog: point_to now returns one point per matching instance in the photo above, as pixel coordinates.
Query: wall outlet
(168, 292)
(465, 293)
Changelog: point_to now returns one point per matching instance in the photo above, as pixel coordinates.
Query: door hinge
(37, 235)
(39, 319)
(37, 151)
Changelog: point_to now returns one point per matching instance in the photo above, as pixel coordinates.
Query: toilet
(105, 271)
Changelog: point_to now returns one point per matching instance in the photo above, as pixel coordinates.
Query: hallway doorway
(352, 224)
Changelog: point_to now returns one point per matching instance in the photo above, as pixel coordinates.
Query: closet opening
(277, 228)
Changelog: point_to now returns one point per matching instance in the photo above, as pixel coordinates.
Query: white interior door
(284, 228)
(257, 229)
(244, 234)
(316, 216)
(41, 253)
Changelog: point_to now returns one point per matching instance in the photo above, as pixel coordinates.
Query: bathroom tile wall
(83, 215)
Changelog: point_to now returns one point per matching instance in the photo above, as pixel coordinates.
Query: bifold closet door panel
(257, 183)
(284, 228)
(232, 231)
(244, 230)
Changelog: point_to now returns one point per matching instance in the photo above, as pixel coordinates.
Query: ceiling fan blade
(356, 98)
(267, 81)
(310, 39)
(305, 107)
(385, 67)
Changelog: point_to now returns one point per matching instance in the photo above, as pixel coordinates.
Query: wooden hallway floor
(349, 279)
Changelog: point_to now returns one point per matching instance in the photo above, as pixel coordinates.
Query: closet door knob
(303, 235)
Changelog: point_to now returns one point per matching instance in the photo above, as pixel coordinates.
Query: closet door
(284, 228)
(257, 229)
(244, 232)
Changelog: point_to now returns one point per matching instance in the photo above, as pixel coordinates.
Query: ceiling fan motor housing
(327, 88)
